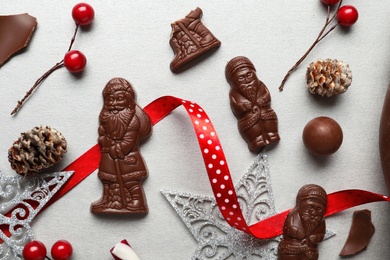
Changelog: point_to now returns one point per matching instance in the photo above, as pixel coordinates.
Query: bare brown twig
(320, 36)
(57, 66)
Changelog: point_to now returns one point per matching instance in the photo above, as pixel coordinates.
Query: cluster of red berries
(74, 60)
(347, 15)
(36, 250)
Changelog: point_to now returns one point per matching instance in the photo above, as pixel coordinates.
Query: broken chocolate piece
(190, 39)
(304, 226)
(360, 233)
(384, 139)
(250, 102)
(15, 34)
(123, 124)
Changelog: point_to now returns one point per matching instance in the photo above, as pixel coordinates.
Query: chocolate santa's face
(116, 102)
(311, 212)
(245, 80)
(244, 75)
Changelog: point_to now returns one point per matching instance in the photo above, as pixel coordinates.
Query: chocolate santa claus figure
(304, 226)
(250, 102)
(123, 124)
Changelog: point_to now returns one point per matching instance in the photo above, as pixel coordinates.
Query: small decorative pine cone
(328, 77)
(37, 149)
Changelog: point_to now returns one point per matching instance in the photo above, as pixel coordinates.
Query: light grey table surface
(130, 39)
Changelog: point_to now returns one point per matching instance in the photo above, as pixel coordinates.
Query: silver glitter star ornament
(216, 238)
(21, 199)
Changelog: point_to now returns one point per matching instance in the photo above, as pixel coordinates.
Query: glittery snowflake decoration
(216, 238)
(20, 201)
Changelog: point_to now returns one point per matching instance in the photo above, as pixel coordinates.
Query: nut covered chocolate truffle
(322, 136)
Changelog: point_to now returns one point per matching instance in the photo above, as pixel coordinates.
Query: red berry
(83, 14)
(61, 250)
(34, 250)
(347, 15)
(330, 2)
(75, 61)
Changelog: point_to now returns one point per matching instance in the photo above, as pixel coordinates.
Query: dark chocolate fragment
(15, 34)
(190, 38)
(304, 227)
(384, 139)
(360, 233)
(322, 136)
(250, 102)
(123, 124)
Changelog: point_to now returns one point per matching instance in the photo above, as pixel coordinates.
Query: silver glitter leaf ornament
(24, 198)
(215, 237)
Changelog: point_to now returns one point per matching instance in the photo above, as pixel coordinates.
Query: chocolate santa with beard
(123, 124)
(304, 226)
(250, 102)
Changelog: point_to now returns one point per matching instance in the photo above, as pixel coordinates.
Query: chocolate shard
(190, 38)
(360, 233)
(15, 34)
(384, 139)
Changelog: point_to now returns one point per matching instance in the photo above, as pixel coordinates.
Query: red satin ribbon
(220, 179)
(218, 173)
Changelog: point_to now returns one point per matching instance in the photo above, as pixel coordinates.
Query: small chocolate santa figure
(250, 102)
(304, 226)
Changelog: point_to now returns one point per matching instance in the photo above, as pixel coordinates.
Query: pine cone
(37, 149)
(328, 77)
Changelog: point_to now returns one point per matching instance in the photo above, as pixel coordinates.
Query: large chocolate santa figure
(123, 124)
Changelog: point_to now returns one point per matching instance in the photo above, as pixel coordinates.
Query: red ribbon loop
(218, 173)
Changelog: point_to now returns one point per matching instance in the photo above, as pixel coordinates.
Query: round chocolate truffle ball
(322, 136)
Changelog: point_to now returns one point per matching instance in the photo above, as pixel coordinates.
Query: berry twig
(36, 84)
(320, 36)
(74, 61)
(44, 76)
(74, 37)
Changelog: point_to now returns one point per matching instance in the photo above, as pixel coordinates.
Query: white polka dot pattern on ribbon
(216, 166)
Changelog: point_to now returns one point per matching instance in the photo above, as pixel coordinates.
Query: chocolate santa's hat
(237, 63)
(312, 191)
(118, 84)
